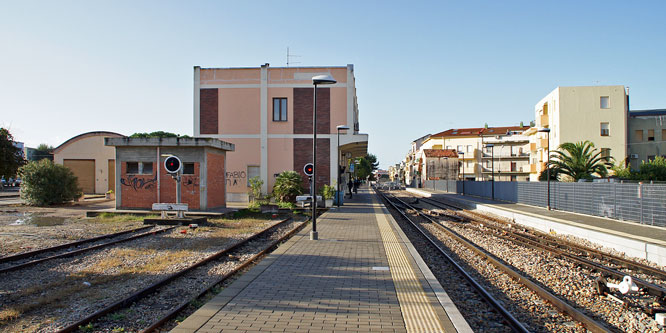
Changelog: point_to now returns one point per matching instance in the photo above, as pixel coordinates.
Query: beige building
(509, 158)
(596, 113)
(90, 160)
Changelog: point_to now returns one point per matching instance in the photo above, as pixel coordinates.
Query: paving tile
(317, 286)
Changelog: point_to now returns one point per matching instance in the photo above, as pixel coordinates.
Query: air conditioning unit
(634, 156)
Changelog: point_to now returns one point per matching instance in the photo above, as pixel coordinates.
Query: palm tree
(580, 160)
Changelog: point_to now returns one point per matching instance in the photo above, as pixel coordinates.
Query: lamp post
(316, 80)
(337, 193)
(463, 172)
(492, 169)
(547, 131)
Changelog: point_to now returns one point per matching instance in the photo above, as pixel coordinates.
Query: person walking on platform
(357, 183)
(350, 186)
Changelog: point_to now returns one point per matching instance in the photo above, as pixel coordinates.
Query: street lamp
(463, 173)
(316, 80)
(492, 168)
(547, 131)
(337, 194)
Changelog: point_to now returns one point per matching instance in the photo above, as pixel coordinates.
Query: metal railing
(643, 203)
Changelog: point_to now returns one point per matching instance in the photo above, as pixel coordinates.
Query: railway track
(163, 299)
(425, 224)
(28, 259)
(649, 279)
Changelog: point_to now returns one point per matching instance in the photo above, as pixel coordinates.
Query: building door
(112, 175)
(84, 170)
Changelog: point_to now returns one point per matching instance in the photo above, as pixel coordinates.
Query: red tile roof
(478, 131)
(440, 153)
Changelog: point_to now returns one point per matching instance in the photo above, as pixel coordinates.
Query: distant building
(596, 113)
(411, 162)
(32, 154)
(509, 158)
(439, 164)
(267, 113)
(647, 136)
(90, 160)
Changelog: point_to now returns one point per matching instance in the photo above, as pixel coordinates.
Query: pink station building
(267, 114)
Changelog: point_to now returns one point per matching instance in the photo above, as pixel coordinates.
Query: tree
(366, 165)
(580, 160)
(42, 151)
(158, 134)
(651, 170)
(287, 186)
(11, 157)
(45, 183)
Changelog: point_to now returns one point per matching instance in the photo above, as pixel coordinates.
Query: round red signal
(172, 164)
(308, 169)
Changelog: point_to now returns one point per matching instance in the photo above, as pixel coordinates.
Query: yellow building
(596, 113)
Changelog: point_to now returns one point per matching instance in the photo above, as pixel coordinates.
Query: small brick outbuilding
(141, 179)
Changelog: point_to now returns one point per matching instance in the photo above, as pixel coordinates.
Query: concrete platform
(362, 275)
(634, 239)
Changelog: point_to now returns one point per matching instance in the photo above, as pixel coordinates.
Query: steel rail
(77, 252)
(555, 246)
(562, 305)
(157, 324)
(512, 321)
(64, 246)
(156, 285)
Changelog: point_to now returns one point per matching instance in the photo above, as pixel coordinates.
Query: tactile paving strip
(417, 311)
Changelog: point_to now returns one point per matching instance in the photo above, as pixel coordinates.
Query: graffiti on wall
(236, 177)
(138, 183)
(191, 181)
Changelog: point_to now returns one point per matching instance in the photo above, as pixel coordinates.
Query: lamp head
(342, 127)
(323, 79)
(544, 130)
(490, 145)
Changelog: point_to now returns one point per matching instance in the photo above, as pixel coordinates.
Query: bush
(46, 183)
(287, 186)
(328, 192)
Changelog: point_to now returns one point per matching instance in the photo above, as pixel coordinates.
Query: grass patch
(107, 217)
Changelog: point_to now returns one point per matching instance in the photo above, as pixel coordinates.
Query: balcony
(503, 155)
(543, 120)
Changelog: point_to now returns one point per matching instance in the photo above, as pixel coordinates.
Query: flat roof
(170, 142)
(646, 113)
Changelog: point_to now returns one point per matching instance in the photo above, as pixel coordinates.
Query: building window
(605, 102)
(651, 158)
(448, 147)
(663, 135)
(513, 166)
(638, 135)
(650, 135)
(133, 167)
(514, 178)
(139, 168)
(605, 130)
(188, 168)
(460, 148)
(469, 148)
(252, 171)
(279, 109)
(605, 152)
(488, 164)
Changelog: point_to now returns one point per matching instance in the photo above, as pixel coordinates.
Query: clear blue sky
(68, 67)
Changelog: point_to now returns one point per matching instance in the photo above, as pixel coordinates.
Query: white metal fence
(644, 203)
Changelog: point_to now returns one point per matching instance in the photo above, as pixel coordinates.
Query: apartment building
(508, 158)
(266, 112)
(411, 162)
(647, 136)
(595, 113)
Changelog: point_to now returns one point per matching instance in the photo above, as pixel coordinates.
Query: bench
(301, 200)
(165, 208)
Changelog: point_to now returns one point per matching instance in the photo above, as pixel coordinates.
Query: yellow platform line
(417, 312)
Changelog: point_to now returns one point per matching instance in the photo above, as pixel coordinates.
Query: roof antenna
(291, 56)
